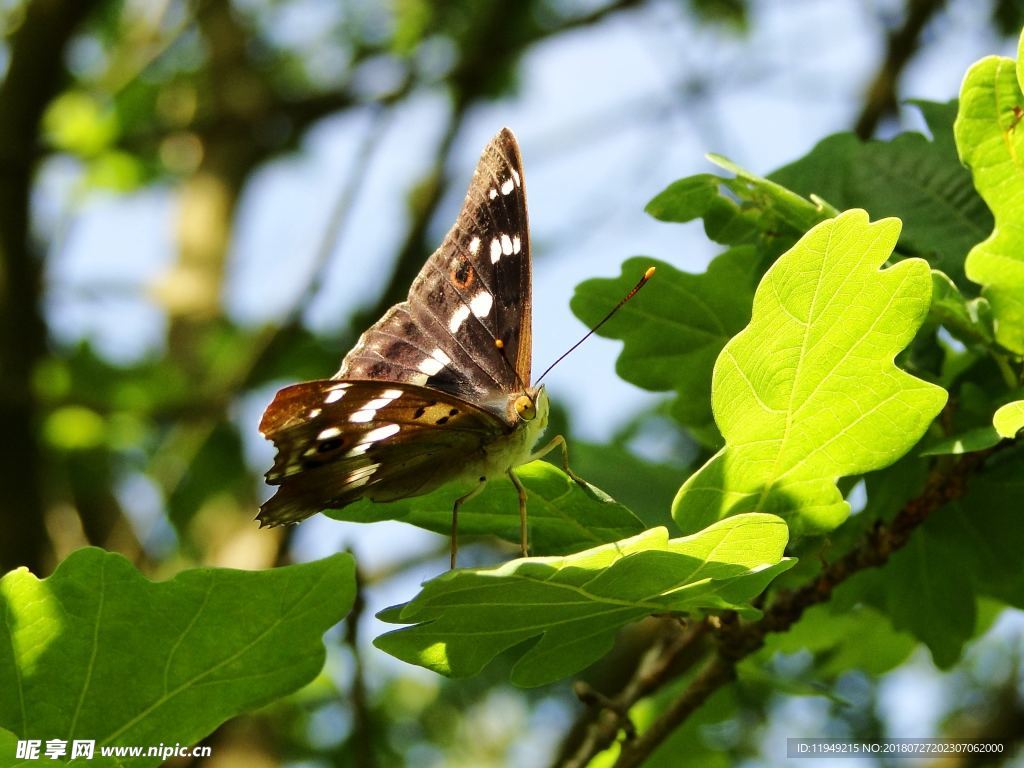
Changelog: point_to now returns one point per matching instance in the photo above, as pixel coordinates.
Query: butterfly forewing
(473, 292)
(339, 441)
(428, 393)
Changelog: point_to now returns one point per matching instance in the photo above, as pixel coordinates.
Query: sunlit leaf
(573, 606)
(97, 651)
(808, 392)
(990, 141)
(1009, 420)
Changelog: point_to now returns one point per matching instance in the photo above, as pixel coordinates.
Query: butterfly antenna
(605, 319)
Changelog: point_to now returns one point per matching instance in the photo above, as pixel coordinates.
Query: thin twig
(364, 754)
(667, 658)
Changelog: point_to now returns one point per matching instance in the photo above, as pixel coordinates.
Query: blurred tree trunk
(34, 76)
(192, 290)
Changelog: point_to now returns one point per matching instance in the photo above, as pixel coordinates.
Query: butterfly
(435, 391)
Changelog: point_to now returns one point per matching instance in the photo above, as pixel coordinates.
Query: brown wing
(340, 441)
(474, 290)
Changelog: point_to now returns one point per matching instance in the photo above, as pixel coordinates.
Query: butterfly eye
(526, 408)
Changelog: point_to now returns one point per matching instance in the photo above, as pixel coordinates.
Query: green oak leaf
(808, 392)
(781, 208)
(1004, 423)
(983, 530)
(990, 140)
(686, 199)
(1008, 421)
(9, 751)
(966, 549)
(573, 606)
(969, 320)
(646, 487)
(674, 329)
(845, 638)
(745, 209)
(96, 651)
(919, 181)
(562, 516)
(923, 591)
(977, 439)
(939, 117)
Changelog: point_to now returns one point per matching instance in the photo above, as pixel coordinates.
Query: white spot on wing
(506, 245)
(437, 360)
(328, 433)
(361, 476)
(474, 245)
(517, 244)
(380, 433)
(430, 366)
(314, 412)
(371, 437)
(493, 193)
(495, 250)
(506, 188)
(458, 318)
(419, 379)
(369, 409)
(481, 304)
(515, 175)
(337, 391)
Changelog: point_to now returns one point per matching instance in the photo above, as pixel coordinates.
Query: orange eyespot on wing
(462, 273)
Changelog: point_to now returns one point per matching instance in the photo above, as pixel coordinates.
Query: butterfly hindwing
(339, 441)
(472, 292)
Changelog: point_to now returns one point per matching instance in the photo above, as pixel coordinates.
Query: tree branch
(737, 640)
(881, 98)
(945, 483)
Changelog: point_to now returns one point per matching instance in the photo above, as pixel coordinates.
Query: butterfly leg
(455, 516)
(523, 542)
(558, 441)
